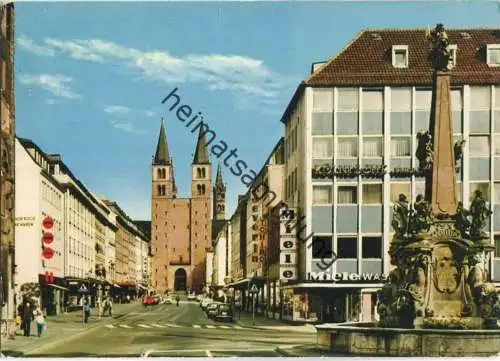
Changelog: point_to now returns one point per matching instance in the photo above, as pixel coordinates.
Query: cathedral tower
(219, 211)
(162, 194)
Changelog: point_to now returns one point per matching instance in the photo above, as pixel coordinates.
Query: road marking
(210, 326)
(172, 325)
(209, 354)
(196, 326)
(110, 326)
(222, 326)
(143, 326)
(125, 326)
(157, 325)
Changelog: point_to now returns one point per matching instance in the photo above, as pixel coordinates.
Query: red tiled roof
(367, 61)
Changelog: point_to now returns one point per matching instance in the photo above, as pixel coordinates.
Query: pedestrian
(27, 317)
(99, 306)
(39, 320)
(177, 299)
(86, 310)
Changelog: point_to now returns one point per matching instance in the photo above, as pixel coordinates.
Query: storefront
(328, 303)
(53, 292)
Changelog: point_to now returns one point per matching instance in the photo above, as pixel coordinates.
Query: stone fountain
(437, 300)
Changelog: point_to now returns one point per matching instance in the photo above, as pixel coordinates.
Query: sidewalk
(264, 323)
(61, 328)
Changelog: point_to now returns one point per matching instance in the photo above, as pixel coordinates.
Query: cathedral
(181, 228)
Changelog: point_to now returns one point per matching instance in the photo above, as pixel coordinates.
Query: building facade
(181, 228)
(350, 138)
(40, 229)
(7, 165)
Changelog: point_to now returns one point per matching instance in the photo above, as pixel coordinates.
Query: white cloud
(116, 109)
(28, 44)
(238, 74)
(128, 127)
(56, 84)
(50, 101)
(150, 113)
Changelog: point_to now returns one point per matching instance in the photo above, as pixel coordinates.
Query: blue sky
(90, 77)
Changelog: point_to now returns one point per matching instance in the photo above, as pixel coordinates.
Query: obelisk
(441, 183)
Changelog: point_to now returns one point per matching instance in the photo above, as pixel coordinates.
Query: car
(223, 313)
(199, 298)
(191, 297)
(149, 301)
(169, 300)
(205, 302)
(211, 310)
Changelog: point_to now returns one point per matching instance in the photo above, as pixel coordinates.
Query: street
(171, 331)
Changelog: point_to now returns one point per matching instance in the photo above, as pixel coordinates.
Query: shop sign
(48, 222)
(47, 238)
(260, 255)
(288, 273)
(47, 253)
(347, 276)
(25, 221)
(288, 259)
(288, 243)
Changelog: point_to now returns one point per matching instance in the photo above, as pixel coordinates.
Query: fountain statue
(437, 300)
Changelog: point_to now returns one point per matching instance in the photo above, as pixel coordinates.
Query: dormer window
(493, 54)
(400, 56)
(453, 52)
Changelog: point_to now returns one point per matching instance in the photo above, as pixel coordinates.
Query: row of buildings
(348, 151)
(67, 236)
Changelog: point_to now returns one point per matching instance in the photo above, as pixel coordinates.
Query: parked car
(212, 309)
(199, 298)
(223, 313)
(150, 301)
(205, 302)
(191, 297)
(169, 300)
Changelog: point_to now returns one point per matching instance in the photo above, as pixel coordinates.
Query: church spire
(218, 179)
(201, 153)
(162, 156)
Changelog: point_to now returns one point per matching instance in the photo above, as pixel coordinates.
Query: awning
(239, 283)
(115, 285)
(58, 287)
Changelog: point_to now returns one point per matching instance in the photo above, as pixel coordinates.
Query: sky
(90, 77)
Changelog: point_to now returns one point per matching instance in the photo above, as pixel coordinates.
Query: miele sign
(288, 246)
(347, 276)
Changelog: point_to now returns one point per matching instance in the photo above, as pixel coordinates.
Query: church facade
(181, 228)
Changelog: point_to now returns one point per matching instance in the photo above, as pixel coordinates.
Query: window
(400, 146)
(322, 147)
(347, 147)
(373, 100)
(348, 99)
(423, 99)
(322, 247)
(322, 194)
(372, 146)
(347, 195)
(400, 56)
(453, 53)
(371, 247)
(484, 188)
(372, 193)
(323, 100)
(496, 193)
(479, 146)
(497, 144)
(480, 97)
(493, 54)
(419, 189)
(401, 99)
(347, 247)
(399, 188)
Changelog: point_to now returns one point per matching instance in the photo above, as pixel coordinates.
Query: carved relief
(446, 272)
(425, 153)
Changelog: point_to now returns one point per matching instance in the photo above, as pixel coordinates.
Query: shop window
(322, 247)
(371, 247)
(347, 247)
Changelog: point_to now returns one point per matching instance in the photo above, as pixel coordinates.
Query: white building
(350, 139)
(221, 261)
(39, 225)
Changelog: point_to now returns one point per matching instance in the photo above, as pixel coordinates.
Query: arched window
(163, 190)
(203, 172)
(163, 173)
(198, 189)
(202, 189)
(159, 190)
(198, 173)
(158, 173)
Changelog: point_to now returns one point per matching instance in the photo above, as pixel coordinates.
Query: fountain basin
(369, 340)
